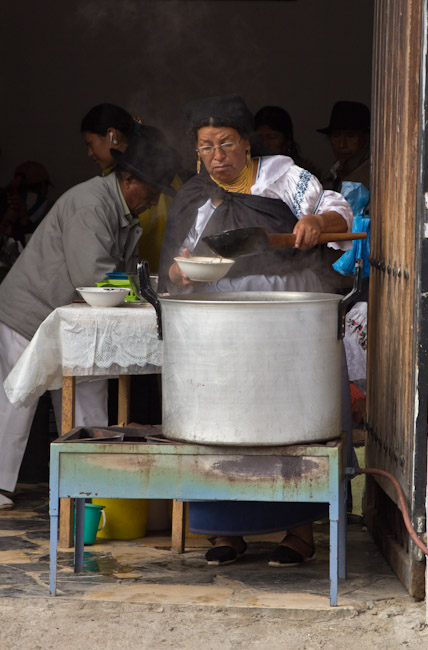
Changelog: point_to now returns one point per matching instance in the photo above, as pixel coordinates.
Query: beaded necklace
(243, 182)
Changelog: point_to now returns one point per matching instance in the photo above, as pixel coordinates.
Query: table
(82, 341)
(171, 470)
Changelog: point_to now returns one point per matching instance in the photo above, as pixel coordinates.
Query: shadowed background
(61, 58)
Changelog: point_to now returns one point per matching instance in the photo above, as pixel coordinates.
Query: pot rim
(252, 297)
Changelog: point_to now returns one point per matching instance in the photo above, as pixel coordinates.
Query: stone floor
(145, 570)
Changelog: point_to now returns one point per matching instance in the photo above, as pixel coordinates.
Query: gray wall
(61, 57)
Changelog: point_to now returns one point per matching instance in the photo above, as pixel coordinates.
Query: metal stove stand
(86, 464)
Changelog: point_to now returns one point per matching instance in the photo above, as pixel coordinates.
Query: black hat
(149, 158)
(352, 116)
(224, 110)
(276, 118)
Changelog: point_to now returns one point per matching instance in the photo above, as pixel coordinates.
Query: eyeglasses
(206, 151)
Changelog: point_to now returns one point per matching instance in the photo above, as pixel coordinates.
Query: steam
(202, 34)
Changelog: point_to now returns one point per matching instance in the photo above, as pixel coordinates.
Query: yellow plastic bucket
(125, 518)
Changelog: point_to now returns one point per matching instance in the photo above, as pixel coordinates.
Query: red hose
(412, 533)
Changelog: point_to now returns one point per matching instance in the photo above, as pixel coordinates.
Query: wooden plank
(394, 544)
(392, 372)
(124, 400)
(68, 403)
(65, 538)
(178, 526)
(67, 423)
(393, 215)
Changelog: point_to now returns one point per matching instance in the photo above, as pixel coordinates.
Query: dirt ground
(47, 624)
(137, 594)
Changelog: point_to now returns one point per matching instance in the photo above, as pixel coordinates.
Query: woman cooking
(234, 190)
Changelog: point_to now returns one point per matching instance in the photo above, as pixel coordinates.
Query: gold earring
(198, 164)
(248, 158)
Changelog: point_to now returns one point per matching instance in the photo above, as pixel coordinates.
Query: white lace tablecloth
(82, 341)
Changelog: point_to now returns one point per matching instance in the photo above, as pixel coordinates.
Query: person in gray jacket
(92, 229)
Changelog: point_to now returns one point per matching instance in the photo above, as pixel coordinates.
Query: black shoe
(219, 555)
(284, 556)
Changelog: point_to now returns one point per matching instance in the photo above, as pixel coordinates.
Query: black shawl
(235, 211)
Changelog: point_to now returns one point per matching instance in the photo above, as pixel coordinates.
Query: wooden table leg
(178, 526)
(124, 400)
(67, 423)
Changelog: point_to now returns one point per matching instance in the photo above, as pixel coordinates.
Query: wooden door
(398, 315)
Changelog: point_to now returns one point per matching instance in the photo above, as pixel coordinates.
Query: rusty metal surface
(170, 470)
(148, 439)
(191, 476)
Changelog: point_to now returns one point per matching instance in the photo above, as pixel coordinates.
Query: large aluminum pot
(251, 368)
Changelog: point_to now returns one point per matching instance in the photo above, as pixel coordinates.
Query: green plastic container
(119, 283)
(93, 514)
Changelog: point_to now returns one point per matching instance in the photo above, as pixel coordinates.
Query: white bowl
(103, 296)
(204, 269)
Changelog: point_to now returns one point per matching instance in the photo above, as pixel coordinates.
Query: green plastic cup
(93, 515)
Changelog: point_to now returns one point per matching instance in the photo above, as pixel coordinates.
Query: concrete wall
(59, 58)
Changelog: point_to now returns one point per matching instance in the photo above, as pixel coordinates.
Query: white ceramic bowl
(204, 269)
(103, 296)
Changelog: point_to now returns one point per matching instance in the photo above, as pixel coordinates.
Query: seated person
(9, 247)
(349, 135)
(27, 198)
(274, 129)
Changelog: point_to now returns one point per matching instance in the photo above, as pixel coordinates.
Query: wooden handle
(326, 237)
(282, 240)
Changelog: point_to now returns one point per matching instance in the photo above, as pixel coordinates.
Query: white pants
(15, 423)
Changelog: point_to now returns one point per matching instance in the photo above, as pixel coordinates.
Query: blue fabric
(358, 197)
(223, 518)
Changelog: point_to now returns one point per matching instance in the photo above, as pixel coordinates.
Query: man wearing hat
(349, 134)
(92, 229)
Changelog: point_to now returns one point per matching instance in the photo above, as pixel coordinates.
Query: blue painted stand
(168, 470)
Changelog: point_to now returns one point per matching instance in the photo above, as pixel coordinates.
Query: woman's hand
(177, 276)
(309, 228)
(307, 231)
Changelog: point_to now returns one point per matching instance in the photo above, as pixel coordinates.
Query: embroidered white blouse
(279, 178)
